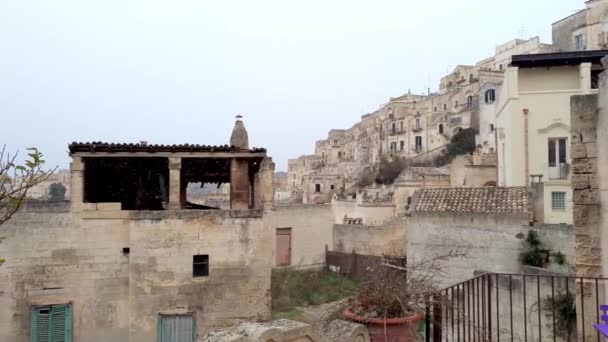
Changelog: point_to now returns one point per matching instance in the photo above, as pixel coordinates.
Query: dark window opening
(491, 127)
(445, 106)
(393, 128)
(332, 187)
(401, 145)
(490, 96)
(200, 265)
(208, 196)
(469, 101)
(136, 183)
(126, 251)
(595, 78)
(418, 140)
(317, 187)
(440, 128)
(205, 183)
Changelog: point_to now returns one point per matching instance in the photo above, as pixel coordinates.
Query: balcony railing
(416, 129)
(517, 307)
(558, 171)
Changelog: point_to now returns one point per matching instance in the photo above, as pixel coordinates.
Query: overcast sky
(179, 71)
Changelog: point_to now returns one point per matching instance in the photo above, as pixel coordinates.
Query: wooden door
(283, 247)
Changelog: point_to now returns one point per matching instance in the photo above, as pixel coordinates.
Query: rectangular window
(579, 42)
(51, 323)
(491, 127)
(393, 128)
(401, 145)
(332, 187)
(558, 200)
(556, 158)
(401, 126)
(418, 143)
(417, 123)
(200, 265)
(176, 328)
(317, 187)
(445, 106)
(595, 78)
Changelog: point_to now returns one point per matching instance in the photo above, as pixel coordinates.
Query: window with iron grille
(558, 200)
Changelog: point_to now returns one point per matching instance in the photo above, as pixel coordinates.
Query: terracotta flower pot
(401, 329)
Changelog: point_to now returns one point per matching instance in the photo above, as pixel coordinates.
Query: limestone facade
(127, 261)
(584, 30)
(412, 126)
(533, 123)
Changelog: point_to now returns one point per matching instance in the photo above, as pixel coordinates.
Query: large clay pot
(402, 329)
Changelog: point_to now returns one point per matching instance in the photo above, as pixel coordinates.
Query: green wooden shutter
(61, 327)
(51, 324)
(39, 324)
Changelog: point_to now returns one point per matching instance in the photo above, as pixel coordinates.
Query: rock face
(239, 137)
(284, 330)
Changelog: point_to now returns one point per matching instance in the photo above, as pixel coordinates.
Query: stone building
(586, 29)
(484, 226)
(412, 126)
(130, 258)
(472, 171)
(41, 191)
(533, 122)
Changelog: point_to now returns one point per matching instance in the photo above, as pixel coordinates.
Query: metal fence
(359, 266)
(517, 307)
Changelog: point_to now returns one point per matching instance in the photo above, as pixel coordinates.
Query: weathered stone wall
(585, 185)
(386, 239)
(56, 257)
(490, 242)
(311, 230)
(371, 213)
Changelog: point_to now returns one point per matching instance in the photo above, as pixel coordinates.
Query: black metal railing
(517, 307)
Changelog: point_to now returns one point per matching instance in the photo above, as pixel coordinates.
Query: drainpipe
(526, 154)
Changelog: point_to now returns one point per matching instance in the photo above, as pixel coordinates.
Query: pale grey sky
(179, 71)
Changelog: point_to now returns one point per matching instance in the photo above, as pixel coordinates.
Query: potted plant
(392, 303)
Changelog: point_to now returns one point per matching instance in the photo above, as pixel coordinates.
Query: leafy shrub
(564, 306)
(537, 255)
(389, 170)
(462, 142)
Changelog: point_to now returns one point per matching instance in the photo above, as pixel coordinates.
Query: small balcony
(416, 129)
(558, 171)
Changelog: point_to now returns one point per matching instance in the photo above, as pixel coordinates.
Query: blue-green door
(52, 323)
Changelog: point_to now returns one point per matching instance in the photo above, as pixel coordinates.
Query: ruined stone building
(131, 257)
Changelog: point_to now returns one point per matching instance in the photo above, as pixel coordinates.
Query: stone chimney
(239, 137)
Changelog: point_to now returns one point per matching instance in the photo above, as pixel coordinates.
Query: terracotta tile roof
(473, 200)
(98, 146)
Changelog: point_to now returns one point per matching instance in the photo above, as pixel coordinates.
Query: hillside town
(477, 212)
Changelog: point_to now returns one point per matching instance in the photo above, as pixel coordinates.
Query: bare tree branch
(17, 179)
